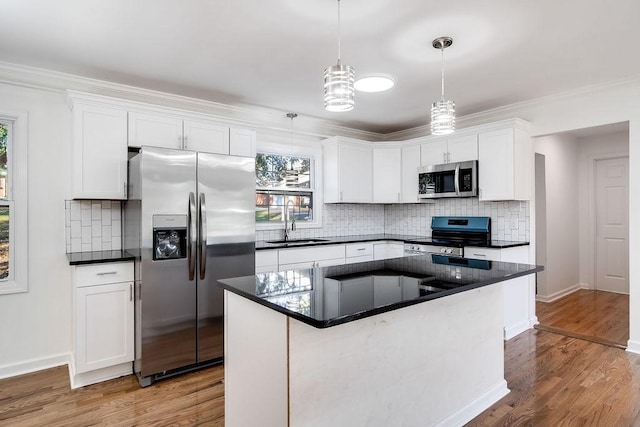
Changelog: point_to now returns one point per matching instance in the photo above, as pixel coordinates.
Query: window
(13, 204)
(284, 188)
(6, 204)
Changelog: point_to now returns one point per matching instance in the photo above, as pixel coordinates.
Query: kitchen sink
(298, 241)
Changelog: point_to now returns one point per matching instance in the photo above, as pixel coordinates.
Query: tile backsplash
(93, 225)
(510, 220)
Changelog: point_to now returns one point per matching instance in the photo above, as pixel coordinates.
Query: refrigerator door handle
(191, 219)
(202, 215)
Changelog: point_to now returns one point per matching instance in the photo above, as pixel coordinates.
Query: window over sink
(284, 188)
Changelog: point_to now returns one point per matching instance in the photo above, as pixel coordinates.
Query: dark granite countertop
(95, 257)
(328, 296)
(335, 240)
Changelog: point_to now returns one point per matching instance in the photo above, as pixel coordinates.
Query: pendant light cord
(339, 33)
(442, 81)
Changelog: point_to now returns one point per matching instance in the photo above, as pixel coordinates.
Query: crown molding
(243, 115)
(515, 109)
(262, 117)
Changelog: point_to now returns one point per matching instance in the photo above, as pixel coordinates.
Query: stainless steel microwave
(448, 180)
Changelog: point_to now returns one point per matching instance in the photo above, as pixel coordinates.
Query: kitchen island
(405, 341)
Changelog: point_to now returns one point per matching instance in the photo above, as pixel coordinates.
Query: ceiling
(273, 53)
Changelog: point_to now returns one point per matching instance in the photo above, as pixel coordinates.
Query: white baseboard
(513, 330)
(99, 375)
(475, 408)
(33, 365)
(633, 346)
(557, 295)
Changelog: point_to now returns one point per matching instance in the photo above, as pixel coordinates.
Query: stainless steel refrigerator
(190, 220)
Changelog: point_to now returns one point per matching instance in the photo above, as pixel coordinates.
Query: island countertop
(328, 296)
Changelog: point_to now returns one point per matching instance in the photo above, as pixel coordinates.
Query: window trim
(18, 192)
(315, 156)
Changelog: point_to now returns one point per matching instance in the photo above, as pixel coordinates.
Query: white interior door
(612, 225)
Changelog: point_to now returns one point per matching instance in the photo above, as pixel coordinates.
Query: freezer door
(226, 207)
(167, 300)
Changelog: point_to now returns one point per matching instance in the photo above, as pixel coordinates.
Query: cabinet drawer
(482, 253)
(359, 249)
(266, 258)
(294, 256)
(100, 274)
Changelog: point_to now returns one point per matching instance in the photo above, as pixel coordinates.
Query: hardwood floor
(554, 380)
(557, 380)
(45, 399)
(592, 315)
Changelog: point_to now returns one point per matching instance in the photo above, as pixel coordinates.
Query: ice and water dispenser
(169, 237)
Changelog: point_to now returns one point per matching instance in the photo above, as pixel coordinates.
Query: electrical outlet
(513, 224)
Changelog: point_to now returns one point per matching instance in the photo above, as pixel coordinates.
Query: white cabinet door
(386, 290)
(462, 149)
(387, 178)
(206, 137)
(155, 130)
(267, 261)
(505, 165)
(433, 153)
(495, 165)
(386, 250)
(242, 142)
(355, 173)
(104, 326)
(99, 165)
(409, 171)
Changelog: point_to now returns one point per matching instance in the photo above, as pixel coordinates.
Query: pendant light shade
(339, 91)
(443, 112)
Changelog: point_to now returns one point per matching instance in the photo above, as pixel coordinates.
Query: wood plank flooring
(592, 315)
(45, 399)
(557, 380)
(554, 380)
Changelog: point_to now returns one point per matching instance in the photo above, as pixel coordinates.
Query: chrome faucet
(287, 217)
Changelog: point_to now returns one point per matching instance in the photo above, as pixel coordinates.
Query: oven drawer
(489, 254)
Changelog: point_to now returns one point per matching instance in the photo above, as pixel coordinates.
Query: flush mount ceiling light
(443, 112)
(375, 83)
(338, 83)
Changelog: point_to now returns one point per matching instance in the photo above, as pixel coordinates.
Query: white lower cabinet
(358, 252)
(267, 261)
(103, 322)
(386, 250)
(310, 257)
(519, 293)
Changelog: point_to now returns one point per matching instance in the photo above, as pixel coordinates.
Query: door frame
(591, 213)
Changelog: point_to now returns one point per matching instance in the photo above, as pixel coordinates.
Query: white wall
(591, 107)
(35, 327)
(589, 150)
(561, 172)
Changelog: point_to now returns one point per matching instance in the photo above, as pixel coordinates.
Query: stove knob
(443, 250)
(449, 250)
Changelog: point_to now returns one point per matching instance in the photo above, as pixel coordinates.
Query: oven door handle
(456, 179)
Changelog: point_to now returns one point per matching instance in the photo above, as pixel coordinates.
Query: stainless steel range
(450, 234)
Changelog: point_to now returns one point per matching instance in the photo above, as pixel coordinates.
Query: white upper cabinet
(242, 142)
(409, 172)
(206, 137)
(462, 149)
(387, 176)
(505, 167)
(99, 165)
(458, 149)
(156, 130)
(347, 171)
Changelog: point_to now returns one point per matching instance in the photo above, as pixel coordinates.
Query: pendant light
(291, 175)
(443, 112)
(338, 82)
